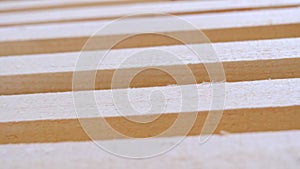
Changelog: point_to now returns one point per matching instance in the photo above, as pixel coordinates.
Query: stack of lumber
(257, 47)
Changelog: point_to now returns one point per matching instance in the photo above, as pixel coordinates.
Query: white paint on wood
(12, 6)
(113, 12)
(142, 25)
(277, 150)
(226, 52)
(254, 94)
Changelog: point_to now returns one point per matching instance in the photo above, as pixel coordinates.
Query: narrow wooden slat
(242, 61)
(104, 13)
(269, 105)
(20, 6)
(222, 27)
(278, 150)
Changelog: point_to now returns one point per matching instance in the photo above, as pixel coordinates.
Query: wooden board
(44, 124)
(96, 13)
(221, 27)
(269, 105)
(242, 61)
(278, 150)
(19, 6)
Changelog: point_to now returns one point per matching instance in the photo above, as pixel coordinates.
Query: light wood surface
(94, 13)
(242, 61)
(221, 27)
(250, 112)
(269, 105)
(278, 150)
(20, 6)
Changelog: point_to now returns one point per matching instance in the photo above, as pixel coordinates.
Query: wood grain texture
(96, 13)
(256, 106)
(221, 27)
(242, 61)
(278, 150)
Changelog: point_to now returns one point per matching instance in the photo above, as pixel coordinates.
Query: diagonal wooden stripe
(270, 105)
(21, 6)
(252, 150)
(96, 13)
(242, 61)
(223, 27)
